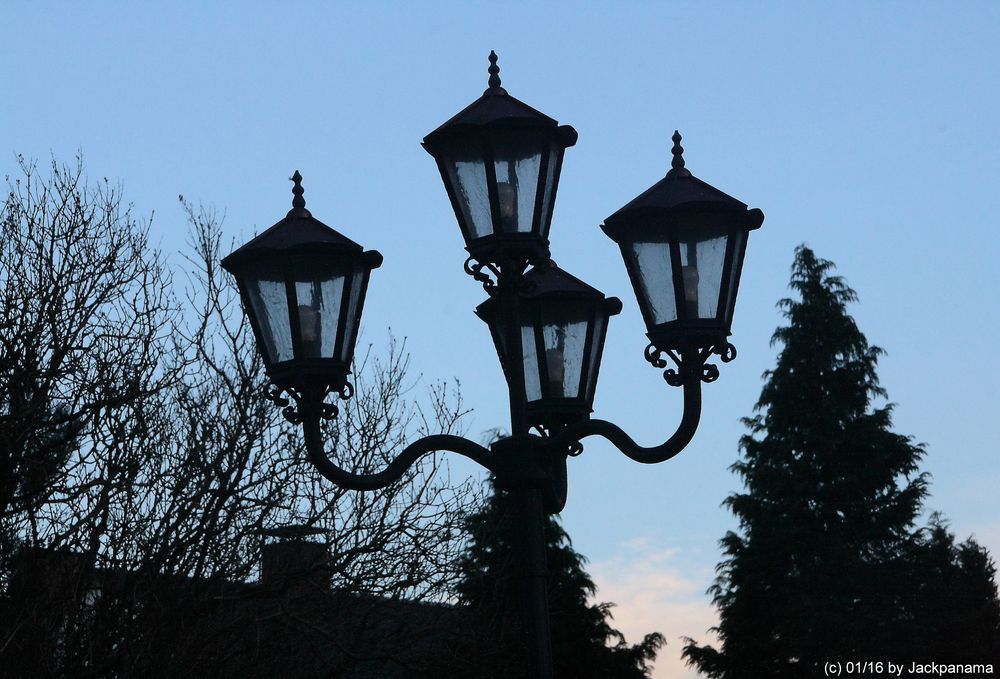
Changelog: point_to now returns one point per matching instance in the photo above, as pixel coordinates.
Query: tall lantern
(500, 160)
(303, 287)
(683, 243)
(563, 325)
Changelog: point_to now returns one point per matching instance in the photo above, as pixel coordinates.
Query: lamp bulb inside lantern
(689, 274)
(309, 328)
(507, 198)
(554, 361)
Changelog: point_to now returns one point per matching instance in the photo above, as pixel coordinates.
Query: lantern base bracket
(474, 268)
(299, 403)
(691, 363)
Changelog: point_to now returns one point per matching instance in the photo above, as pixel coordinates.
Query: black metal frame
(531, 465)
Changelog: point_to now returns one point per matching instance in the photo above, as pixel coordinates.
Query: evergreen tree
(827, 564)
(584, 643)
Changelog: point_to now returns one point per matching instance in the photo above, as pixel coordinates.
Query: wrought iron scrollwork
(296, 403)
(286, 399)
(725, 351)
(573, 449)
(673, 376)
(474, 268)
(693, 363)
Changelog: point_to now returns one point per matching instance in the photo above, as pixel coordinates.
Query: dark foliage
(827, 564)
(584, 642)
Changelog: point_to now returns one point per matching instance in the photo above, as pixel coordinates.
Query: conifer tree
(827, 563)
(585, 645)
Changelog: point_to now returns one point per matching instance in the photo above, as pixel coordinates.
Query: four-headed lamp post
(303, 287)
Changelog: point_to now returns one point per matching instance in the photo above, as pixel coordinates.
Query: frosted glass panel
(351, 327)
(595, 355)
(269, 302)
(532, 384)
(702, 263)
(517, 162)
(656, 279)
(733, 273)
(467, 175)
(555, 153)
(564, 335)
(319, 312)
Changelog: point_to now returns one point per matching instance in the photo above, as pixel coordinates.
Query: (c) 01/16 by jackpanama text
(877, 668)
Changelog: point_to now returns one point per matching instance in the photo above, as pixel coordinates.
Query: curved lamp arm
(625, 443)
(396, 468)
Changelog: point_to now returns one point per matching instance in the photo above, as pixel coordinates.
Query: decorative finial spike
(678, 162)
(494, 70)
(677, 168)
(298, 202)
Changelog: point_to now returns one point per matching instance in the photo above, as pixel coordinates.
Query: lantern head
(683, 243)
(303, 287)
(500, 161)
(563, 323)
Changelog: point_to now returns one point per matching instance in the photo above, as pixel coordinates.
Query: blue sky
(866, 130)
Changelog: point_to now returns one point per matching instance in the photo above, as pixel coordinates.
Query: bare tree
(138, 450)
(85, 321)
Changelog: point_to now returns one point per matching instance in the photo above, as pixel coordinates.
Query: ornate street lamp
(303, 286)
(500, 160)
(563, 324)
(683, 243)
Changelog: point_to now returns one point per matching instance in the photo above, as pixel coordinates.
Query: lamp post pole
(528, 528)
(303, 285)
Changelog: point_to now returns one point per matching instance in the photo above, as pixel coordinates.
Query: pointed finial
(298, 202)
(494, 70)
(677, 164)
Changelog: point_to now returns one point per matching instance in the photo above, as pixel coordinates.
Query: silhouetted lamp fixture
(563, 324)
(683, 243)
(500, 161)
(303, 287)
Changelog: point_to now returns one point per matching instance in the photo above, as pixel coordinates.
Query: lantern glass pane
(703, 257)
(596, 348)
(517, 160)
(652, 265)
(532, 380)
(265, 286)
(466, 172)
(555, 157)
(564, 335)
(319, 294)
(734, 271)
(352, 323)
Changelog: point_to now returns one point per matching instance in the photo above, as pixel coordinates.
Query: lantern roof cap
(299, 230)
(678, 189)
(497, 108)
(548, 280)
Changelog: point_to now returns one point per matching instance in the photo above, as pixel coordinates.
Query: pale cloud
(656, 589)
